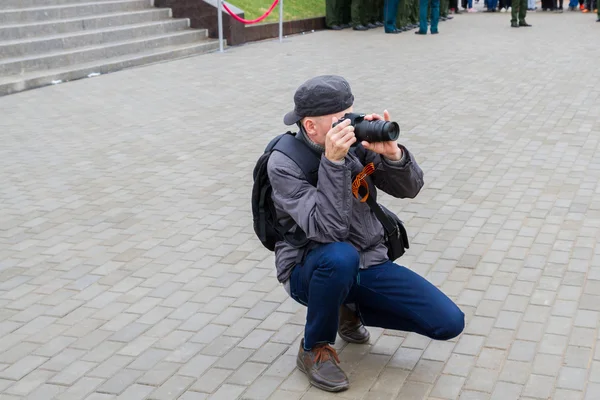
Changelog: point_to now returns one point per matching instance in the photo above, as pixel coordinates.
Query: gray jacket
(329, 212)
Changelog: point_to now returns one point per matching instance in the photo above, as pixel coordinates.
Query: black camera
(371, 131)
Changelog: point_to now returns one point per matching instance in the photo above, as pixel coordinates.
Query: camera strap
(389, 226)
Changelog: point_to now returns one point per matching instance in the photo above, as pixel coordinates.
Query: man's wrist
(395, 157)
(335, 161)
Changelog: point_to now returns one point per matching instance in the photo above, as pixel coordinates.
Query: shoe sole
(334, 389)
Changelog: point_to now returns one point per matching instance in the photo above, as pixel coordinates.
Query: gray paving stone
(539, 386)
(159, 373)
(262, 388)
(269, 352)
(172, 388)
(473, 395)
(184, 353)
(81, 389)
(414, 391)
(214, 377)
(426, 371)
(220, 346)
(111, 366)
(522, 351)
(46, 391)
(135, 392)
(459, 365)
(448, 387)
(482, 380)
(491, 358)
(516, 372)
(30, 382)
(119, 381)
(189, 395)
(22, 367)
(572, 378)
(506, 391)
(255, 339)
(282, 367)
(73, 372)
(228, 391)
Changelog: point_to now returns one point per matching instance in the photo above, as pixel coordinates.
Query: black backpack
(270, 231)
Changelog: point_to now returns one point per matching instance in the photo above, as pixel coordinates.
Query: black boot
(351, 328)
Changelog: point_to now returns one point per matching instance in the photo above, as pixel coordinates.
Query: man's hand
(389, 149)
(338, 140)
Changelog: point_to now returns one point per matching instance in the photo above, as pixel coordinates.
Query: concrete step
(46, 44)
(15, 84)
(23, 15)
(22, 65)
(31, 30)
(8, 4)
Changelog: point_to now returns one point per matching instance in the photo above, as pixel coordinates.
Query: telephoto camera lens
(377, 131)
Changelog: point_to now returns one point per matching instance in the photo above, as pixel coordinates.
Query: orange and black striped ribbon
(360, 180)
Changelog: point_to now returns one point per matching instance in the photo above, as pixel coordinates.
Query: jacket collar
(318, 149)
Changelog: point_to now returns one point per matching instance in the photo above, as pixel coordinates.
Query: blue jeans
(390, 11)
(435, 15)
(387, 296)
(469, 4)
(492, 4)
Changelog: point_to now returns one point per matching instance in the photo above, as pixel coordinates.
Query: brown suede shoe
(321, 365)
(350, 328)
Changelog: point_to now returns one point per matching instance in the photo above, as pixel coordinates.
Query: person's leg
(356, 14)
(332, 17)
(443, 8)
(376, 12)
(390, 10)
(415, 7)
(522, 12)
(514, 20)
(345, 14)
(322, 283)
(435, 15)
(390, 296)
(423, 5)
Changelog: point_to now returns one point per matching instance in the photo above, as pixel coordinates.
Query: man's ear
(310, 126)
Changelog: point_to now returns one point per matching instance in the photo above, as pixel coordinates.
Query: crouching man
(343, 274)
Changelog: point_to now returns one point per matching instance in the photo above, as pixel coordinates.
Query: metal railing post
(280, 21)
(220, 19)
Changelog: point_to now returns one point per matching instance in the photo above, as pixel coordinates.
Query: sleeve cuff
(399, 163)
(339, 163)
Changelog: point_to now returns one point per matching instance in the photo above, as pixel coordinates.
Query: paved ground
(128, 264)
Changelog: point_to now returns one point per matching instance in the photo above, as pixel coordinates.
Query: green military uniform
(375, 11)
(332, 13)
(519, 12)
(401, 16)
(371, 12)
(346, 13)
(355, 12)
(444, 8)
(414, 12)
